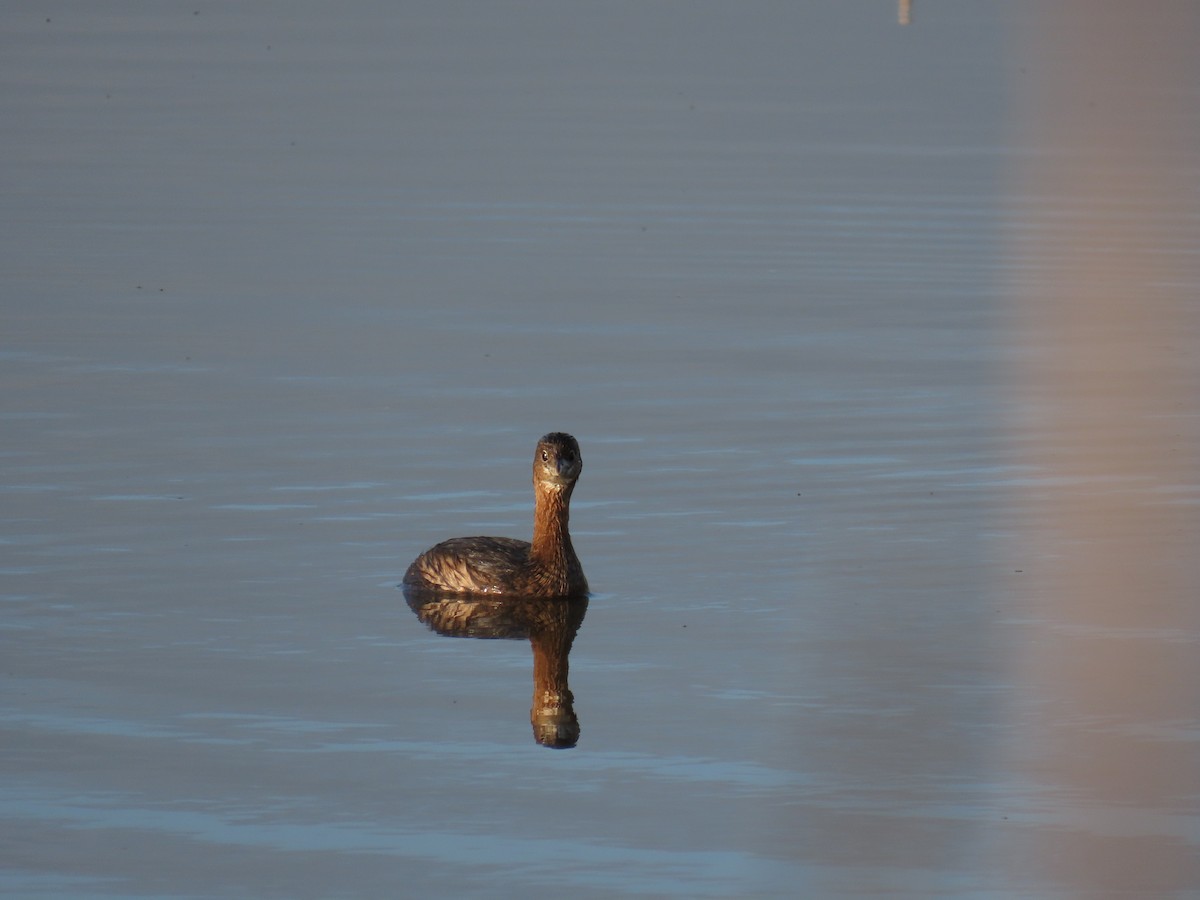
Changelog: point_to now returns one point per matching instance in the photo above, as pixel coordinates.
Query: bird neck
(551, 513)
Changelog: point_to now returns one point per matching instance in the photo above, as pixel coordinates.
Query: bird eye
(545, 456)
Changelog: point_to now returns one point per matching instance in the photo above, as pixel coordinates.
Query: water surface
(880, 346)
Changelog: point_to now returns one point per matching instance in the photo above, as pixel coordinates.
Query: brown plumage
(548, 567)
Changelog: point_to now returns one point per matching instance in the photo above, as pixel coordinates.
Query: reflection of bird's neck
(551, 512)
(553, 712)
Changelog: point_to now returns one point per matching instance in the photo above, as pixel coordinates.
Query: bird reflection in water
(549, 623)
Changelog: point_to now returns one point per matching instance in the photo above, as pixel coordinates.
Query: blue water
(889, 501)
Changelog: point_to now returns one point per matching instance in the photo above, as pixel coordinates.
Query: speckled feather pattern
(548, 567)
(478, 565)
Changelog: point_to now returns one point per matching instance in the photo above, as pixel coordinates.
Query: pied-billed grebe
(490, 565)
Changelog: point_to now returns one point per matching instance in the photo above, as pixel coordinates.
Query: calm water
(881, 346)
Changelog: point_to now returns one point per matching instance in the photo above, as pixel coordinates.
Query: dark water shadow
(549, 624)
